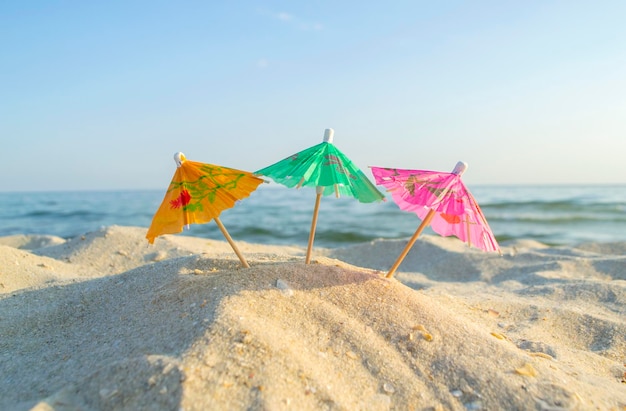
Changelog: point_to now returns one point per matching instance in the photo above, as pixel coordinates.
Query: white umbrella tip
(460, 168)
(328, 135)
(179, 158)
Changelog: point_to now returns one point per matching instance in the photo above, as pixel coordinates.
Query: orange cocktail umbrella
(197, 194)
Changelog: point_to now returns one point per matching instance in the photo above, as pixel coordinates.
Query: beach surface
(105, 321)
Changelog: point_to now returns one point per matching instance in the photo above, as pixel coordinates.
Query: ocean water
(555, 215)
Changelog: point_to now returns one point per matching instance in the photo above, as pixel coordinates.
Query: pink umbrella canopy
(440, 200)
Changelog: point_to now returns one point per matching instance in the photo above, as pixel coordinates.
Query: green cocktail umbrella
(327, 169)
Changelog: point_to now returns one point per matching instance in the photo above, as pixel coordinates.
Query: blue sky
(99, 95)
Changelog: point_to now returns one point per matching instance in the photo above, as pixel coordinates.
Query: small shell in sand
(425, 334)
(526, 370)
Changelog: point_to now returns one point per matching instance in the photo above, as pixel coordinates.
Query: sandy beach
(105, 321)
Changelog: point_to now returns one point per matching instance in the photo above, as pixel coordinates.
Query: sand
(106, 322)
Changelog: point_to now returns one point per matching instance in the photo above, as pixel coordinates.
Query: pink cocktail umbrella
(440, 200)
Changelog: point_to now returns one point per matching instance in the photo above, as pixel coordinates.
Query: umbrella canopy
(327, 169)
(440, 200)
(197, 194)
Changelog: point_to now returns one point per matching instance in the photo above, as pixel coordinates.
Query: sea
(554, 215)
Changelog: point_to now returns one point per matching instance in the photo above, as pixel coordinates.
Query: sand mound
(30, 242)
(21, 269)
(114, 249)
(535, 329)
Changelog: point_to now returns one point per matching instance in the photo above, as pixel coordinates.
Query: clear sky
(101, 94)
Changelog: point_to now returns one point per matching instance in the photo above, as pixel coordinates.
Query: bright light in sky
(100, 95)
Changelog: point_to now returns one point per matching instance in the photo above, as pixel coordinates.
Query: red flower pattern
(183, 199)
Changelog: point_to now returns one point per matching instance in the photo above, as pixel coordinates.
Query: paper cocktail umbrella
(438, 199)
(198, 193)
(327, 169)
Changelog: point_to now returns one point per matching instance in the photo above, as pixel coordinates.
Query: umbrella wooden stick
(412, 240)
(313, 226)
(231, 242)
